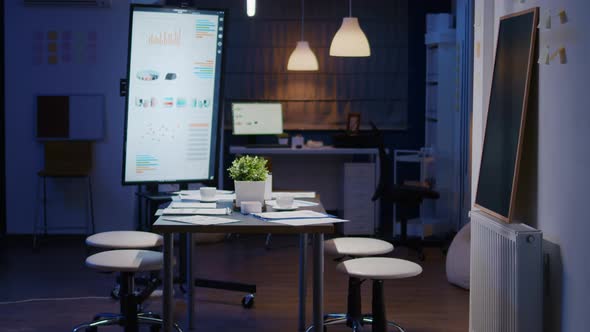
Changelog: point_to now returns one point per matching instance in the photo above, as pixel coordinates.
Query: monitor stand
(251, 140)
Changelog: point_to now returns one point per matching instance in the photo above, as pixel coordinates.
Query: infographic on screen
(172, 102)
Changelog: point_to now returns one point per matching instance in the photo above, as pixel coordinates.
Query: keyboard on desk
(258, 146)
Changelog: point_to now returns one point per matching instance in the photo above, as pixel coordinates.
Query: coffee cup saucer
(287, 208)
(209, 200)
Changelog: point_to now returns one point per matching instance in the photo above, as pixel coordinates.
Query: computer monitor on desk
(256, 119)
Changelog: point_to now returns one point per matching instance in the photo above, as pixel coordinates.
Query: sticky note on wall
(544, 56)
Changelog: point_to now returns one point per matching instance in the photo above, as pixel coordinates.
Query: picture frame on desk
(353, 123)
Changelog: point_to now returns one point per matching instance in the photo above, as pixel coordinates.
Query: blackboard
(502, 144)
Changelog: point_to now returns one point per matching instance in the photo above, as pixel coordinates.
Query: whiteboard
(502, 146)
(172, 106)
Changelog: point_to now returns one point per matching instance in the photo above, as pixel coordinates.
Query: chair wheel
(248, 301)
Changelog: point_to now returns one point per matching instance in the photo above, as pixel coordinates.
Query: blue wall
(26, 78)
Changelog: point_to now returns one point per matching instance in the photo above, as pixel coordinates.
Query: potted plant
(249, 174)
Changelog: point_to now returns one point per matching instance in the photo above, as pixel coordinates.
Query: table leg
(302, 280)
(318, 282)
(190, 282)
(168, 301)
(91, 205)
(45, 205)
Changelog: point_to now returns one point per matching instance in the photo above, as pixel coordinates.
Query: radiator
(506, 276)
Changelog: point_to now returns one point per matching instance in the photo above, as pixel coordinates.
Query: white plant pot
(268, 188)
(249, 191)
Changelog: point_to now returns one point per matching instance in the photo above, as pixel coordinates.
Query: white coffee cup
(248, 207)
(208, 193)
(285, 201)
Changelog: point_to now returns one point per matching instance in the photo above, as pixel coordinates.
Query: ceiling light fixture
(251, 7)
(302, 58)
(350, 40)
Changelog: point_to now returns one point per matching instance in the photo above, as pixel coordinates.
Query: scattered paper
(303, 194)
(193, 192)
(197, 197)
(218, 212)
(307, 221)
(301, 214)
(192, 205)
(296, 204)
(201, 220)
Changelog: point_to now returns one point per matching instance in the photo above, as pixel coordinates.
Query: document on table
(192, 205)
(193, 192)
(303, 194)
(301, 214)
(307, 221)
(217, 212)
(296, 204)
(197, 197)
(200, 220)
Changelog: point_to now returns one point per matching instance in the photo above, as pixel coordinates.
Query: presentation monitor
(257, 118)
(172, 117)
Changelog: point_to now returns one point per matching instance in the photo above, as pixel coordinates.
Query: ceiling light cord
(302, 17)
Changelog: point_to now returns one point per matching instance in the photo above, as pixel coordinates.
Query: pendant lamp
(350, 40)
(251, 7)
(302, 58)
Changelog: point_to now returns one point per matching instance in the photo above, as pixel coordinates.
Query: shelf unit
(442, 119)
(439, 158)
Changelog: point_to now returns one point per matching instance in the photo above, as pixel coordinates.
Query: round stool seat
(357, 246)
(379, 268)
(125, 240)
(126, 260)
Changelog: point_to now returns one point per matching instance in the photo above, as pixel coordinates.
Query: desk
(246, 225)
(323, 170)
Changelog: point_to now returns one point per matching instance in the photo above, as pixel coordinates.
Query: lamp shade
(302, 58)
(350, 40)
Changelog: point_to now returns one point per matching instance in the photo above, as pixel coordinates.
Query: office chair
(406, 198)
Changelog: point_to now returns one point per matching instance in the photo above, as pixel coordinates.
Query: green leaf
(248, 168)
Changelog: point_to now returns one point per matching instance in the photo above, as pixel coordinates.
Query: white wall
(114, 204)
(554, 182)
